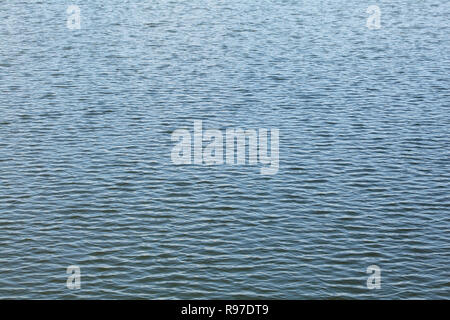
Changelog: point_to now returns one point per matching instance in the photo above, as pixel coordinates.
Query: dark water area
(86, 176)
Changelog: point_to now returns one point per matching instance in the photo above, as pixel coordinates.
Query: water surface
(85, 140)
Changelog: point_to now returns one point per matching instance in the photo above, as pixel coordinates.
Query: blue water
(86, 176)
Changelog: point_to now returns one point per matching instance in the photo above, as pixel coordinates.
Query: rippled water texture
(86, 177)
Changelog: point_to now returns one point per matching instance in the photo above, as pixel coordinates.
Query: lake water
(86, 176)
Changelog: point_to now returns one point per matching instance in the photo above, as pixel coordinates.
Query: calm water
(86, 176)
